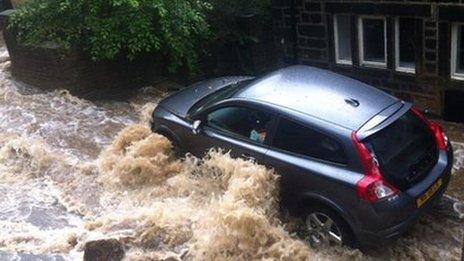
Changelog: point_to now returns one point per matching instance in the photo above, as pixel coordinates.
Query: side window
(457, 52)
(242, 121)
(296, 138)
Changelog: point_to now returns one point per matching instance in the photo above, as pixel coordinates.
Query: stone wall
(307, 27)
(5, 4)
(49, 67)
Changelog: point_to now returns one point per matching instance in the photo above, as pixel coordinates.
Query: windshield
(406, 150)
(221, 94)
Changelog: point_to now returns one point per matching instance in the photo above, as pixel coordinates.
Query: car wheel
(178, 151)
(324, 228)
(176, 148)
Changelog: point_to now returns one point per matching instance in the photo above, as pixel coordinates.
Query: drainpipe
(294, 31)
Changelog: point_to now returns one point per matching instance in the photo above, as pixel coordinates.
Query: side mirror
(196, 127)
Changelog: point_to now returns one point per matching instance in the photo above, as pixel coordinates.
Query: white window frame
(397, 51)
(336, 43)
(381, 65)
(454, 51)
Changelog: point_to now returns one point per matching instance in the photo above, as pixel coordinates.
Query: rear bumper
(368, 238)
(401, 214)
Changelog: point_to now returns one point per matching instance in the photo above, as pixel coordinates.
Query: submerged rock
(105, 249)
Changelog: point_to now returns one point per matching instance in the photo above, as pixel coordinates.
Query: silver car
(358, 165)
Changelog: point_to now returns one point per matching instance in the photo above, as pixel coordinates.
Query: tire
(339, 232)
(176, 148)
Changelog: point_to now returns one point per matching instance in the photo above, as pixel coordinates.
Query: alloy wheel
(322, 230)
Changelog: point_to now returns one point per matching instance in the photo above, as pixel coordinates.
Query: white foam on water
(458, 148)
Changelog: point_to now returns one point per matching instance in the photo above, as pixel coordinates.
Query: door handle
(248, 157)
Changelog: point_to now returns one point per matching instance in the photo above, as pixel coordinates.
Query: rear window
(296, 138)
(405, 150)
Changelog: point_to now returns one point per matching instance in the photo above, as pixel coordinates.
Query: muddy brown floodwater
(72, 171)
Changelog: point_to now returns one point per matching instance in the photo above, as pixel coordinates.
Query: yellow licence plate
(429, 193)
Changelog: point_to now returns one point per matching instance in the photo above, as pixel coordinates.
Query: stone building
(411, 49)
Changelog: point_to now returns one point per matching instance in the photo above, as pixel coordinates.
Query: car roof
(319, 93)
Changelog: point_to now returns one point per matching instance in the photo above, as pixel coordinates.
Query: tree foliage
(108, 29)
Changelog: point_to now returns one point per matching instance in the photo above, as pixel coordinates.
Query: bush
(109, 29)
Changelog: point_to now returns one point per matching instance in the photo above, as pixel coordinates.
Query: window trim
(398, 68)
(277, 121)
(193, 114)
(454, 51)
(336, 42)
(380, 65)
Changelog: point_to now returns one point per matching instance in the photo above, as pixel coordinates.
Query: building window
(457, 52)
(342, 39)
(405, 58)
(372, 41)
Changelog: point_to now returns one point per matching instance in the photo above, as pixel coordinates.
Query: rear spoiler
(383, 119)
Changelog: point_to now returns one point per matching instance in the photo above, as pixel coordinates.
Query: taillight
(440, 138)
(372, 187)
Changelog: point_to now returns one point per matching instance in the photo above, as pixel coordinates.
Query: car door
(305, 158)
(237, 128)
